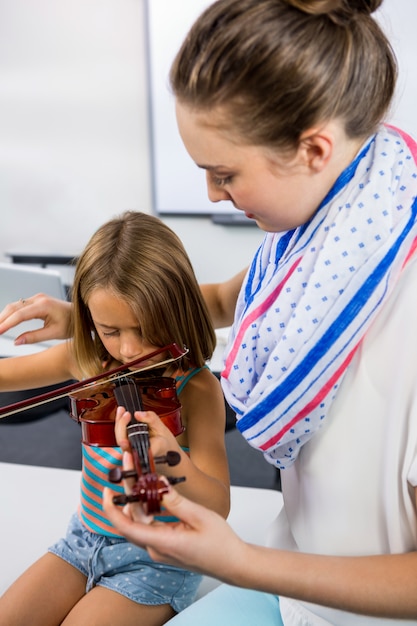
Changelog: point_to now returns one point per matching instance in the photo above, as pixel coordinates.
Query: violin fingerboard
(138, 435)
(128, 395)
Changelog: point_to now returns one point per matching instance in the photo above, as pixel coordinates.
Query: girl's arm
(382, 586)
(205, 466)
(221, 299)
(48, 367)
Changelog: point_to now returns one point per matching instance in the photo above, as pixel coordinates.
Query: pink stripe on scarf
(313, 403)
(264, 306)
(411, 252)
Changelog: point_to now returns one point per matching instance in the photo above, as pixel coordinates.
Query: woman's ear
(316, 148)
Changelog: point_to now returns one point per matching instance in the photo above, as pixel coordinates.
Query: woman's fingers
(55, 314)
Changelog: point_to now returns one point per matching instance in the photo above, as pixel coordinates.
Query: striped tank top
(96, 465)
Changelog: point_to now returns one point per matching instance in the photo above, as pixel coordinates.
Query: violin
(148, 488)
(94, 402)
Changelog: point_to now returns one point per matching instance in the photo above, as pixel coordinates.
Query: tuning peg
(171, 458)
(124, 499)
(116, 475)
(141, 494)
(174, 480)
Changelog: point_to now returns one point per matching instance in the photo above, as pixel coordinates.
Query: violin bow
(176, 353)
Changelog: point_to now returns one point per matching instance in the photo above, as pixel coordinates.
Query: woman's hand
(197, 541)
(202, 541)
(56, 316)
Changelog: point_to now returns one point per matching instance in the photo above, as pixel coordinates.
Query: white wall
(398, 19)
(74, 140)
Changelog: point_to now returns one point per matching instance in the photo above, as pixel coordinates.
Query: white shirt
(351, 490)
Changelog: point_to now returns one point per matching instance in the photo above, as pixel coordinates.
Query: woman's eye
(220, 181)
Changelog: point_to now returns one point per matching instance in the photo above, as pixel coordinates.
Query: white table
(37, 502)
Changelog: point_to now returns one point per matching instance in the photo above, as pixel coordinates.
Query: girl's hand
(161, 438)
(122, 420)
(56, 316)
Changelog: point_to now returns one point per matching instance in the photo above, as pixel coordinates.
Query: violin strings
(119, 375)
(140, 440)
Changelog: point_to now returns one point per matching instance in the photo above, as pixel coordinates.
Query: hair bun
(336, 8)
(363, 6)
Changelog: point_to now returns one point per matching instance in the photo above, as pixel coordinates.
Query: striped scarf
(311, 294)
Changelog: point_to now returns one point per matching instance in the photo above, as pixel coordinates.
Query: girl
(134, 292)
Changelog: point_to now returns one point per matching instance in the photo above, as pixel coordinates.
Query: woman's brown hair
(277, 68)
(141, 260)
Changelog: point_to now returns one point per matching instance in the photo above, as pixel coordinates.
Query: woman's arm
(382, 586)
(221, 299)
(56, 316)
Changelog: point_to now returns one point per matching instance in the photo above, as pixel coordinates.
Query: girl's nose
(131, 349)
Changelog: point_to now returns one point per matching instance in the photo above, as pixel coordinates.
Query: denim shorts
(121, 566)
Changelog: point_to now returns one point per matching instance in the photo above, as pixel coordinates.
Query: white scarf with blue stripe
(311, 294)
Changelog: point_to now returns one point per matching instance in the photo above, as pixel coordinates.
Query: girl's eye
(113, 333)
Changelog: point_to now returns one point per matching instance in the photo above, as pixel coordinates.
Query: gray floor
(54, 441)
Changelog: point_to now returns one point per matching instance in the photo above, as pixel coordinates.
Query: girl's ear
(316, 148)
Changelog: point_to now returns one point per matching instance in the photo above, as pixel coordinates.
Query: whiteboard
(178, 184)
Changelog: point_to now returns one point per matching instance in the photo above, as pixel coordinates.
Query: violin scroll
(146, 485)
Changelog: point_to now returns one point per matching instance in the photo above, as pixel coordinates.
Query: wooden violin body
(95, 408)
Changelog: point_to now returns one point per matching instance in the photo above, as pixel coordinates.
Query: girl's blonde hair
(142, 261)
(277, 68)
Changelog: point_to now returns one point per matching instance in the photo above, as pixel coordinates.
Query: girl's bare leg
(52, 592)
(104, 607)
(43, 595)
